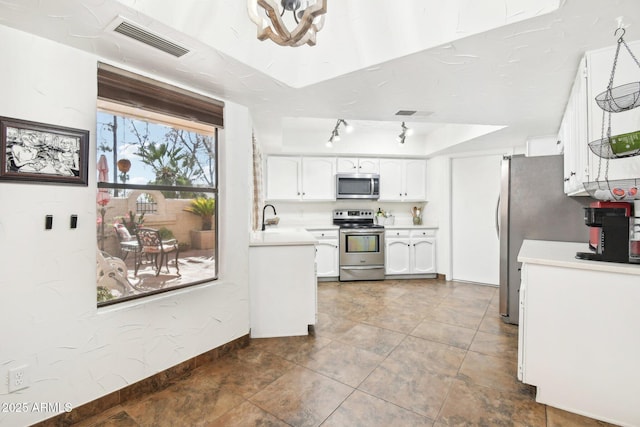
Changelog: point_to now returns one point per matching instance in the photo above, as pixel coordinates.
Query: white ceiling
(491, 62)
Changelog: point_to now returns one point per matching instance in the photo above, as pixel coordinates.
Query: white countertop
(282, 237)
(563, 254)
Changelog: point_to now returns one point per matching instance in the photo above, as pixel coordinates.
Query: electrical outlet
(18, 378)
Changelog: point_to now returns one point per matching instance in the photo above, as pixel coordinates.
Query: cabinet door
(327, 258)
(391, 176)
(415, 179)
(368, 165)
(318, 178)
(283, 178)
(397, 257)
(423, 253)
(347, 165)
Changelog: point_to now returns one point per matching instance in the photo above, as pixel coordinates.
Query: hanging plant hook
(623, 33)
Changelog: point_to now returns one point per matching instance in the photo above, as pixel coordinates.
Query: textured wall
(48, 316)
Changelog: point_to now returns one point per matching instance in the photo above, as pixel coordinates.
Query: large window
(157, 195)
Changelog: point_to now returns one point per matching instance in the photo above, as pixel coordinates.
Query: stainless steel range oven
(361, 245)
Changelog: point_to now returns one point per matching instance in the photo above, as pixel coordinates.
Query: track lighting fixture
(405, 131)
(335, 136)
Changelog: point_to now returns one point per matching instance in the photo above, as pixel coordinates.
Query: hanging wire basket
(618, 146)
(620, 98)
(614, 190)
(616, 100)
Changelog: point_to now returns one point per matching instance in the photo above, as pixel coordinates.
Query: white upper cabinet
(582, 122)
(283, 178)
(358, 165)
(296, 178)
(403, 179)
(318, 178)
(573, 135)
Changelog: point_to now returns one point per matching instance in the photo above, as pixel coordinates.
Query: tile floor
(401, 353)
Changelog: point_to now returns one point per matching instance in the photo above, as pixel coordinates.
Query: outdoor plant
(133, 222)
(204, 207)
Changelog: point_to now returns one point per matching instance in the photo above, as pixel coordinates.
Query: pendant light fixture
(335, 136)
(273, 21)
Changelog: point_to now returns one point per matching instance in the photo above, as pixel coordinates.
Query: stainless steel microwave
(357, 186)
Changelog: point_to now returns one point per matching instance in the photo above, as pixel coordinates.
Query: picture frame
(41, 153)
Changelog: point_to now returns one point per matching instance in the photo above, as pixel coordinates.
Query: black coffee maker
(610, 226)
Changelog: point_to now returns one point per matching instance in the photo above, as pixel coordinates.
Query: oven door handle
(361, 231)
(367, 267)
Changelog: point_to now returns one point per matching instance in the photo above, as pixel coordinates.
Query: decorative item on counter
(384, 218)
(416, 213)
(615, 100)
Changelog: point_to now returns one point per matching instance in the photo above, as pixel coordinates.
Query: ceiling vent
(413, 113)
(142, 35)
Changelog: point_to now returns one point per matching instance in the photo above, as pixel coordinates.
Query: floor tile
(361, 409)
(395, 317)
(409, 386)
(429, 355)
(302, 397)
(377, 340)
(456, 336)
(332, 327)
(246, 377)
(493, 324)
(247, 414)
(493, 372)
(293, 349)
(505, 346)
(474, 405)
(559, 418)
(343, 362)
(197, 402)
(456, 317)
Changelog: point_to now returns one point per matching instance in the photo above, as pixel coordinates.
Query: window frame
(125, 105)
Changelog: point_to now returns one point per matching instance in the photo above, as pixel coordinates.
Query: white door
(475, 246)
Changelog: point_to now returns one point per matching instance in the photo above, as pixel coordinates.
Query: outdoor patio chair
(128, 243)
(112, 273)
(158, 250)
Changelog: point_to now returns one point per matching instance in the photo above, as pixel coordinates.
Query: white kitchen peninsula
(282, 282)
(579, 341)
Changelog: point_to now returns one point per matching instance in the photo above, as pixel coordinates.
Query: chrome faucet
(263, 209)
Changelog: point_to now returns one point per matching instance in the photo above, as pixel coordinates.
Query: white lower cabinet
(410, 252)
(327, 253)
(578, 339)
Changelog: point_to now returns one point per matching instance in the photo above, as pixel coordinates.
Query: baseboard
(151, 384)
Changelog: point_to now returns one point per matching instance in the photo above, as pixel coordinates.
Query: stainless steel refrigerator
(533, 206)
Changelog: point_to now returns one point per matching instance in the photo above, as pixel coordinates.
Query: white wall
(76, 352)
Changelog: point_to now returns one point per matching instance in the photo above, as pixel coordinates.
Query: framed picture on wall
(44, 154)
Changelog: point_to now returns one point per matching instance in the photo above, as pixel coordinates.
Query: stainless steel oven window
(362, 243)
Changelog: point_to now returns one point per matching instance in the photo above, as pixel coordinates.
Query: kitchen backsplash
(294, 214)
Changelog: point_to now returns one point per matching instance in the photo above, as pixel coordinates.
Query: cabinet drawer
(324, 234)
(423, 233)
(390, 234)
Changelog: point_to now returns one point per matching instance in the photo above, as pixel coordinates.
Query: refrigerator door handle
(498, 218)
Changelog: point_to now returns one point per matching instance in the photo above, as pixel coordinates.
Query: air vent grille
(405, 113)
(144, 36)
